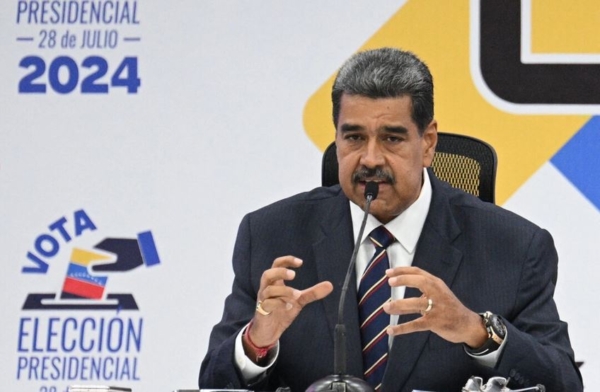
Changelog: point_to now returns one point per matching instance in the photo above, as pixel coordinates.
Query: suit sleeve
(538, 348)
(218, 370)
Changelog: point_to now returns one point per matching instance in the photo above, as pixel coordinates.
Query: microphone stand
(340, 381)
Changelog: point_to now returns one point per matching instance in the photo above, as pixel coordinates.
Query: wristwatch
(496, 333)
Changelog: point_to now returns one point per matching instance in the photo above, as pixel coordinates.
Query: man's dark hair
(386, 73)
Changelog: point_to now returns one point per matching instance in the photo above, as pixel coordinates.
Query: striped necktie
(373, 292)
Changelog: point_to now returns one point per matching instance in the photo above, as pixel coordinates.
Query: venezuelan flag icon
(79, 283)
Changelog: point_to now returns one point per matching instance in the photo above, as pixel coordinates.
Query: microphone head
(371, 189)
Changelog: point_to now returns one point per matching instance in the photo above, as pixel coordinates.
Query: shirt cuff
(490, 360)
(249, 369)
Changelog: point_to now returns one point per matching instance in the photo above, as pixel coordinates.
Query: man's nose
(372, 155)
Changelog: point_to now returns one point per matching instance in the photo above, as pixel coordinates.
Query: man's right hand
(283, 303)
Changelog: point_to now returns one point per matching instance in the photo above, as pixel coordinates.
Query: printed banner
(135, 135)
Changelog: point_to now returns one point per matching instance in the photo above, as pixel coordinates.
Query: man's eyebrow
(399, 129)
(390, 128)
(351, 128)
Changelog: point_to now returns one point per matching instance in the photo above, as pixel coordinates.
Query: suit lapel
(332, 254)
(436, 255)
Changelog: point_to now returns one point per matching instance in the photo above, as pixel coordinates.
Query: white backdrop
(214, 131)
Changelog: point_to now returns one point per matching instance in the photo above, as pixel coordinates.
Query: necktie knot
(381, 237)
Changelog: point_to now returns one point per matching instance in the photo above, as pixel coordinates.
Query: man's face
(377, 140)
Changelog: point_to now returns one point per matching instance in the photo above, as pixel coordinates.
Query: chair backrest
(463, 161)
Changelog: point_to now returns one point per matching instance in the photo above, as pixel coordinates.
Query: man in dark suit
(471, 284)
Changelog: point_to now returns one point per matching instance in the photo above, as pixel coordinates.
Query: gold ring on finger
(260, 309)
(429, 306)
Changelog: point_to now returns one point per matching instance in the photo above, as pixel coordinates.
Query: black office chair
(463, 161)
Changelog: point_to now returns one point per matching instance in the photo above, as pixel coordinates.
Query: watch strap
(494, 339)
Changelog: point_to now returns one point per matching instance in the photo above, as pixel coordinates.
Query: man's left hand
(446, 317)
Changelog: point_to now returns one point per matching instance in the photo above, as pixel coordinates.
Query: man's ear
(429, 141)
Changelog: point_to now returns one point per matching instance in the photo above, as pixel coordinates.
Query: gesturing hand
(446, 317)
(281, 302)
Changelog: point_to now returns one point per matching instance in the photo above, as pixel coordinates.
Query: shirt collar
(407, 226)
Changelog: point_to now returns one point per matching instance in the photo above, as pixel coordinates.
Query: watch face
(498, 326)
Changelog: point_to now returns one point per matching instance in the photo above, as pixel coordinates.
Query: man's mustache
(374, 174)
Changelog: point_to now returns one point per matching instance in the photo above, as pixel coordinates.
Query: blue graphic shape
(148, 248)
(579, 160)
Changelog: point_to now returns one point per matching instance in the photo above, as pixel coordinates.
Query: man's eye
(352, 137)
(393, 139)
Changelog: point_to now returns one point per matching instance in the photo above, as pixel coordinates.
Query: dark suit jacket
(490, 258)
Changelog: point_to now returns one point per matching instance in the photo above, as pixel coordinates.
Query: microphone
(340, 381)
(371, 192)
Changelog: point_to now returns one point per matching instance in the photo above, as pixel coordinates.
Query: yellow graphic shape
(559, 26)
(86, 257)
(438, 32)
